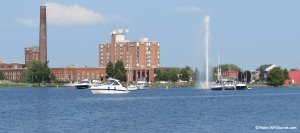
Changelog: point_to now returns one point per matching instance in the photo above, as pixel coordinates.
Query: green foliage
(2, 75)
(225, 67)
(159, 75)
(52, 76)
(119, 75)
(196, 75)
(286, 74)
(276, 76)
(261, 75)
(38, 71)
(165, 76)
(295, 69)
(120, 66)
(110, 70)
(185, 75)
(174, 75)
(215, 73)
(189, 70)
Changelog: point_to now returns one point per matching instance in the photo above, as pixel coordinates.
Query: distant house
(229, 75)
(266, 68)
(295, 77)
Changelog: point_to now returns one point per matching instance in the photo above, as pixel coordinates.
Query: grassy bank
(29, 85)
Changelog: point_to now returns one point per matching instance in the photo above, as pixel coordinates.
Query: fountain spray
(206, 46)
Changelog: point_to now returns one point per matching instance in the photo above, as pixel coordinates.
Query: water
(175, 109)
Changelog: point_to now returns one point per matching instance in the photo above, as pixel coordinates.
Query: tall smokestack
(43, 35)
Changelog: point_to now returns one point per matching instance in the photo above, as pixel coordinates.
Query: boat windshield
(229, 82)
(111, 82)
(82, 82)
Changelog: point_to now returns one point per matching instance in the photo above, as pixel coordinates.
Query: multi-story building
(31, 53)
(144, 55)
(229, 75)
(12, 71)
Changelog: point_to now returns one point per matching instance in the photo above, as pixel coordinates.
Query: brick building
(74, 73)
(31, 53)
(295, 77)
(145, 55)
(12, 71)
(229, 75)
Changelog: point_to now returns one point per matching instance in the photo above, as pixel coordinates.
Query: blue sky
(245, 33)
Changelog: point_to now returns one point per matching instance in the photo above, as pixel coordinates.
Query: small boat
(217, 88)
(241, 86)
(142, 84)
(229, 85)
(249, 88)
(112, 86)
(84, 84)
(130, 87)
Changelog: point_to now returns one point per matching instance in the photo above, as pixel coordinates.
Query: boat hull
(142, 87)
(229, 87)
(241, 87)
(103, 91)
(82, 86)
(217, 88)
(132, 88)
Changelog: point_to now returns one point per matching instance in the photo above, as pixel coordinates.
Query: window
(92, 76)
(97, 77)
(82, 77)
(2, 66)
(78, 77)
(88, 76)
(101, 46)
(9, 66)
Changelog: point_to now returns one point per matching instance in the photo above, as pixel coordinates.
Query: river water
(177, 109)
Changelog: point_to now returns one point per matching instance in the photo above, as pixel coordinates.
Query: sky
(246, 33)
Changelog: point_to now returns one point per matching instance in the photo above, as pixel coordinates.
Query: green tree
(261, 75)
(119, 75)
(225, 67)
(38, 71)
(174, 75)
(185, 75)
(159, 75)
(276, 76)
(165, 76)
(286, 74)
(52, 76)
(2, 75)
(110, 70)
(295, 69)
(196, 75)
(120, 66)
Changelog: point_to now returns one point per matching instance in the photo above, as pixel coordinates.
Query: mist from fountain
(206, 73)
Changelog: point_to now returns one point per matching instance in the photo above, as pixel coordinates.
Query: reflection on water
(155, 110)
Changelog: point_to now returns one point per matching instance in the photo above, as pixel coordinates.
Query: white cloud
(72, 15)
(34, 22)
(187, 9)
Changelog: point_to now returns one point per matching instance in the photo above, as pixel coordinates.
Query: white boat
(142, 84)
(241, 86)
(130, 87)
(218, 87)
(112, 86)
(229, 85)
(84, 84)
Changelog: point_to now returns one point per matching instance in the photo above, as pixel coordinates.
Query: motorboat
(84, 84)
(217, 88)
(132, 87)
(142, 84)
(241, 86)
(229, 85)
(111, 86)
